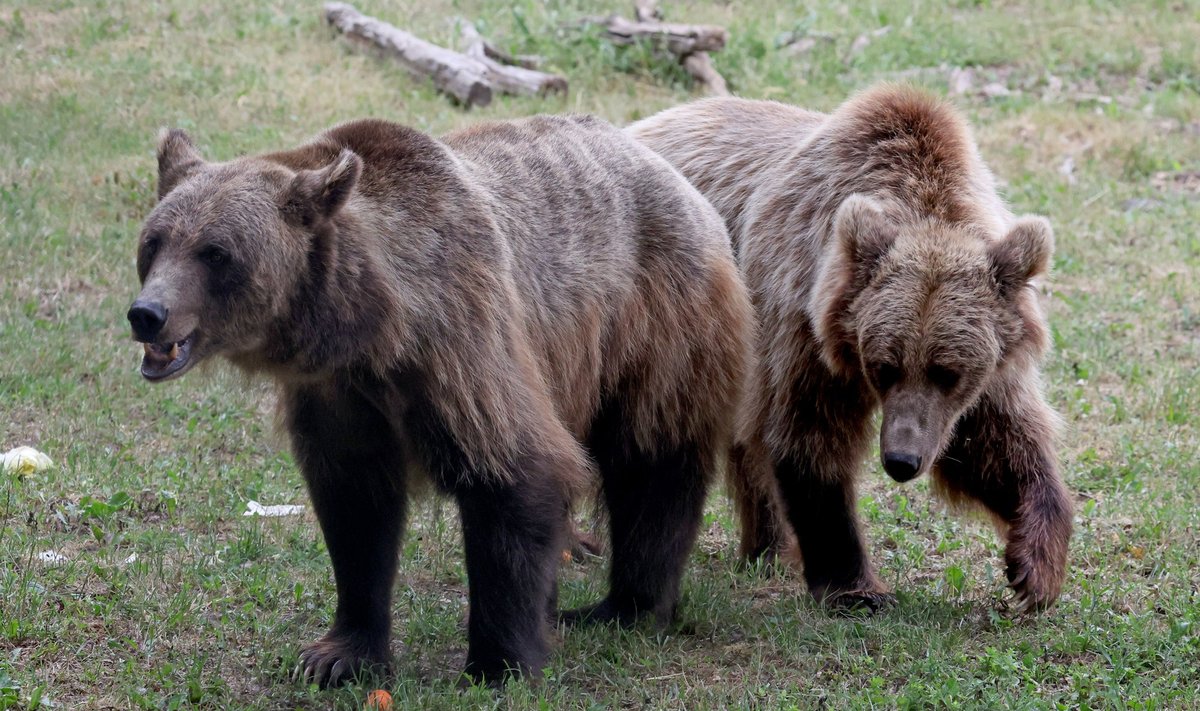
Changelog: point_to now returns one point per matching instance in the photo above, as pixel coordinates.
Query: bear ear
(863, 233)
(177, 159)
(1022, 254)
(318, 194)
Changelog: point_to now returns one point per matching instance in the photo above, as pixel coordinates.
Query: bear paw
(606, 611)
(866, 598)
(1035, 580)
(860, 601)
(335, 659)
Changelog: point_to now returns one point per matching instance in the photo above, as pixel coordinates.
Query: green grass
(171, 598)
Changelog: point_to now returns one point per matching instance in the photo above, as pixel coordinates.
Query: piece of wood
(528, 61)
(700, 66)
(676, 38)
(646, 10)
(509, 79)
(690, 43)
(456, 74)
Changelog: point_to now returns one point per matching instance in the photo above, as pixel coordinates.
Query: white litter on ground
(253, 508)
(52, 557)
(24, 460)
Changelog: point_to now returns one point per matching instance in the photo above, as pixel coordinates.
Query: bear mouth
(165, 360)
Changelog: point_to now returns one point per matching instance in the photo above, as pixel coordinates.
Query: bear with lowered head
(887, 274)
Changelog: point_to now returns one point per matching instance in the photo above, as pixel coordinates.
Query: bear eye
(942, 376)
(214, 256)
(147, 253)
(150, 246)
(886, 375)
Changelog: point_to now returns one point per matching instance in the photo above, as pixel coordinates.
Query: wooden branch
(646, 10)
(678, 39)
(700, 66)
(509, 79)
(470, 77)
(690, 43)
(458, 75)
(528, 61)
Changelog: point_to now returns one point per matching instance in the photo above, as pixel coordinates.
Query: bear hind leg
(655, 503)
(765, 535)
(514, 537)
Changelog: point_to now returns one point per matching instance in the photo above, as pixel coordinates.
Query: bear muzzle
(161, 359)
(901, 466)
(913, 423)
(148, 319)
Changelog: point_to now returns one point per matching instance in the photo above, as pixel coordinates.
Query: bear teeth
(161, 354)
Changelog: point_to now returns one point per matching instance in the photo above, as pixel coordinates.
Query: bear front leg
(353, 466)
(655, 504)
(828, 425)
(514, 536)
(821, 508)
(1003, 457)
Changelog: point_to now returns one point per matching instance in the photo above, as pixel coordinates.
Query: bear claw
(855, 601)
(606, 611)
(1031, 588)
(332, 661)
(866, 597)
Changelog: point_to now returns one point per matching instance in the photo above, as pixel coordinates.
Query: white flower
(24, 460)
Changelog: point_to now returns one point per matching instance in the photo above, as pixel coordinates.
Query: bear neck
(912, 152)
(381, 272)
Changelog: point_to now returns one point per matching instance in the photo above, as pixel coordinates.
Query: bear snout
(148, 319)
(901, 466)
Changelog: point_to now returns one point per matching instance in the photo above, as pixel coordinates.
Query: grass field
(168, 597)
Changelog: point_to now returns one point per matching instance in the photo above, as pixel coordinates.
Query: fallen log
(700, 66)
(528, 61)
(646, 10)
(690, 43)
(676, 38)
(508, 78)
(471, 78)
(462, 77)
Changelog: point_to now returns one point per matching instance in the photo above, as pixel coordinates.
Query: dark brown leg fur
(513, 535)
(816, 488)
(822, 512)
(655, 503)
(763, 536)
(1005, 460)
(514, 538)
(351, 462)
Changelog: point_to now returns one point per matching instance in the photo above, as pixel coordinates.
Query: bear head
(222, 253)
(927, 313)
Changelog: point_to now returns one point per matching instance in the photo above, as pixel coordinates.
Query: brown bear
(505, 310)
(886, 272)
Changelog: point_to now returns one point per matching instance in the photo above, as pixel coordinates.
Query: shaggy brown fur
(886, 272)
(505, 310)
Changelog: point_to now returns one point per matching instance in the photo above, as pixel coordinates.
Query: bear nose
(147, 319)
(901, 467)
